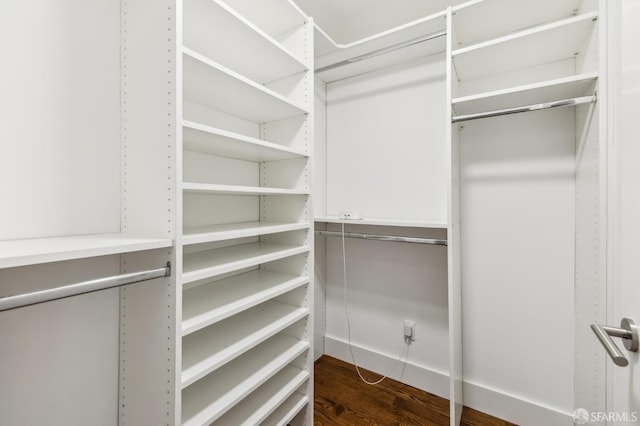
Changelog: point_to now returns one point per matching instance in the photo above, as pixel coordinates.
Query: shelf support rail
(36, 297)
(382, 51)
(431, 241)
(528, 108)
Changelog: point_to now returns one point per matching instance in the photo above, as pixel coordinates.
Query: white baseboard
(479, 397)
(415, 375)
(511, 408)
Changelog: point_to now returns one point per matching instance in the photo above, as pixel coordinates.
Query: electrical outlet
(349, 215)
(409, 330)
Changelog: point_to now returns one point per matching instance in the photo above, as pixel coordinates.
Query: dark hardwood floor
(341, 398)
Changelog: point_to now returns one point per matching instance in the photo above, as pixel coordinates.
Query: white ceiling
(349, 20)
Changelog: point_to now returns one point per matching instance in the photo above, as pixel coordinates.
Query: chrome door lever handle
(628, 332)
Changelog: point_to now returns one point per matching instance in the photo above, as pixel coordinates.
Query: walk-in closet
(208, 204)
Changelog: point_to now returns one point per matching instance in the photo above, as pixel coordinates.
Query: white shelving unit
(247, 262)
(512, 54)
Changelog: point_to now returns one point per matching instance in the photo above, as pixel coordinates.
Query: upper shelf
(552, 90)
(208, 83)
(561, 40)
(263, 59)
(42, 250)
(329, 53)
(475, 21)
(275, 17)
(210, 140)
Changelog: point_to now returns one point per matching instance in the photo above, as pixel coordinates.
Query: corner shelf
(210, 140)
(562, 40)
(15, 253)
(209, 83)
(262, 402)
(214, 346)
(206, 188)
(263, 59)
(552, 90)
(205, 401)
(210, 263)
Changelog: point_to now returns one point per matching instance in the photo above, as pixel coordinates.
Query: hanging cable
(346, 313)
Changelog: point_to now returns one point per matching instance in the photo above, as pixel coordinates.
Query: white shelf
(266, 399)
(287, 411)
(477, 21)
(211, 397)
(237, 230)
(208, 304)
(211, 348)
(210, 263)
(561, 40)
(42, 250)
(552, 90)
(208, 83)
(208, 188)
(210, 140)
(383, 222)
(263, 59)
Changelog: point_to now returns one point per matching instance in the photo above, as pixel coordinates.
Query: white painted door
(623, 402)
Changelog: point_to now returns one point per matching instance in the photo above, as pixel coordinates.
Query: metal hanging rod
(431, 241)
(383, 50)
(27, 299)
(528, 108)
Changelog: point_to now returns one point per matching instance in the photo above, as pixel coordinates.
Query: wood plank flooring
(341, 398)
